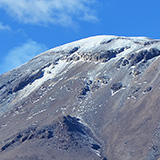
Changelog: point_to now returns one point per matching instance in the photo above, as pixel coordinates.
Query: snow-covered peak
(93, 42)
(86, 42)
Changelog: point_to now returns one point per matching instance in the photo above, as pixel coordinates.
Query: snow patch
(43, 110)
(49, 73)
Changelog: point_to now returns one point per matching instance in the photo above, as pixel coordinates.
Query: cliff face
(93, 99)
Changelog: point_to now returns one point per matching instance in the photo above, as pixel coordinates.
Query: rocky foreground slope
(93, 99)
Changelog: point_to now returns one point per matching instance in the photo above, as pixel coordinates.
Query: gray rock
(116, 86)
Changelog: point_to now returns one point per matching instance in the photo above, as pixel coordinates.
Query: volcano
(92, 99)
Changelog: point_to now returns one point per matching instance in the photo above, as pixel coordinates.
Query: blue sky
(29, 27)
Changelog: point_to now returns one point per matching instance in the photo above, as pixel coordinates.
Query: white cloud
(63, 12)
(21, 54)
(4, 27)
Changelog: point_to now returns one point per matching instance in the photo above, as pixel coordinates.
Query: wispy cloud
(4, 27)
(21, 54)
(63, 12)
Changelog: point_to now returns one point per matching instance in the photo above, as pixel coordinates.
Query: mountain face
(93, 99)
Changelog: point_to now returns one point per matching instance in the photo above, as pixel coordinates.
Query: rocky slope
(93, 99)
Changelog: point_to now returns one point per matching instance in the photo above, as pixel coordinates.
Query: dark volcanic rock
(150, 42)
(73, 50)
(105, 42)
(125, 62)
(73, 125)
(117, 86)
(145, 55)
(95, 146)
(148, 89)
(83, 91)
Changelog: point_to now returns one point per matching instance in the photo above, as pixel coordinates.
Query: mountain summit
(93, 99)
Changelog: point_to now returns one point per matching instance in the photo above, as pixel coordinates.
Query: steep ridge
(96, 98)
